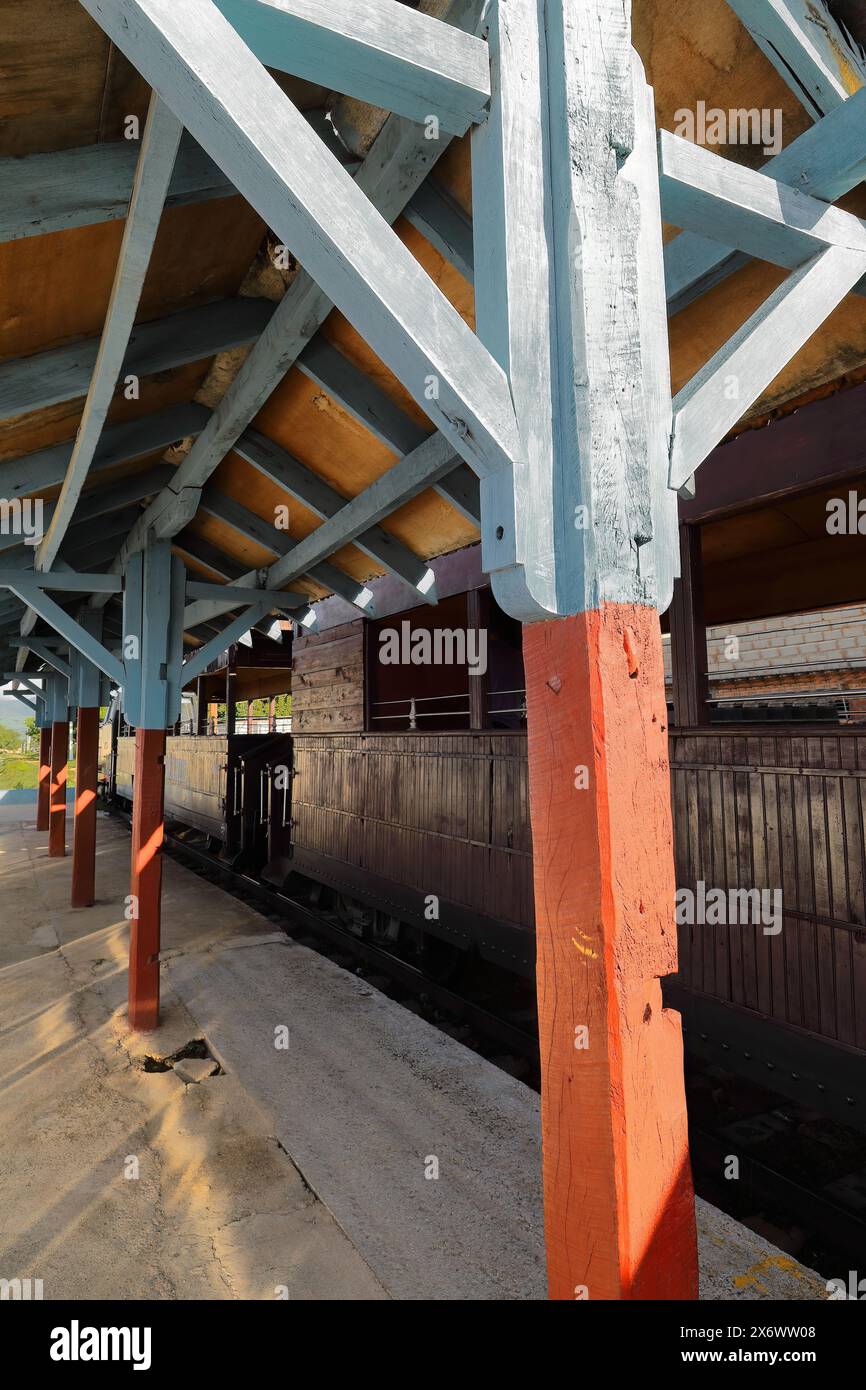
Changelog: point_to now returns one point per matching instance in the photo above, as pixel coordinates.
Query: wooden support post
(619, 1206)
(84, 829)
(231, 703)
(272, 715)
(478, 684)
(154, 595)
(57, 794)
(570, 298)
(43, 795)
(689, 654)
(201, 707)
(146, 879)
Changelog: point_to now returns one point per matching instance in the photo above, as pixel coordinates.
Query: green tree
(9, 738)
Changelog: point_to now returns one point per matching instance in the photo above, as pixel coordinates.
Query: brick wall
(809, 651)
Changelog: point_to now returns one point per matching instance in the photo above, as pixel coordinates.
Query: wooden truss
(552, 426)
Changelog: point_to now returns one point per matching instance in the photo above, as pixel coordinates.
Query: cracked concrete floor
(117, 1182)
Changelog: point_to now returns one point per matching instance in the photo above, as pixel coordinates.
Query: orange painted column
(84, 829)
(619, 1203)
(57, 793)
(146, 880)
(43, 795)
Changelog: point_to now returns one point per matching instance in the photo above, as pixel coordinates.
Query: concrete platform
(306, 1170)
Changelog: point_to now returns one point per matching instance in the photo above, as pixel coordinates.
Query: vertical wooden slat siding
(447, 814)
(778, 810)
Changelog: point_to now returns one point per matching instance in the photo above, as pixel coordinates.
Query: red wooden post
(84, 829)
(43, 796)
(57, 794)
(146, 879)
(619, 1205)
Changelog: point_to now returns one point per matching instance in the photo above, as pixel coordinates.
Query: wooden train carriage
(429, 821)
(360, 286)
(213, 784)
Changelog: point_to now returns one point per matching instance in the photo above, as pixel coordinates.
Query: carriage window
(454, 666)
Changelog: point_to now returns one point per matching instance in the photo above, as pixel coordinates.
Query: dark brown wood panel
(446, 814)
(777, 811)
(328, 680)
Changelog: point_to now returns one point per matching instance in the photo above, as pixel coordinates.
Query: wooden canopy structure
(300, 292)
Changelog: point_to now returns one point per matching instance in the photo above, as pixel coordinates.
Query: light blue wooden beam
(380, 52)
(67, 580)
(436, 215)
(196, 590)
(64, 373)
(32, 705)
(396, 166)
(156, 158)
(706, 408)
(153, 597)
(47, 652)
(298, 481)
(514, 265)
(194, 665)
(64, 624)
(91, 184)
(99, 503)
(806, 46)
(28, 684)
(264, 533)
(372, 407)
(412, 475)
(188, 543)
(826, 161)
(220, 91)
(746, 209)
(46, 468)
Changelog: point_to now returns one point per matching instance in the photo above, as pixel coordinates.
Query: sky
(12, 713)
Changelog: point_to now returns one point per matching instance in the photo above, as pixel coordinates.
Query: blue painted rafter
(159, 146)
(223, 95)
(380, 52)
(826, 161)
(825, 247)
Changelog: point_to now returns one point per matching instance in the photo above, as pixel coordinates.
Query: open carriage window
(456, 666)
